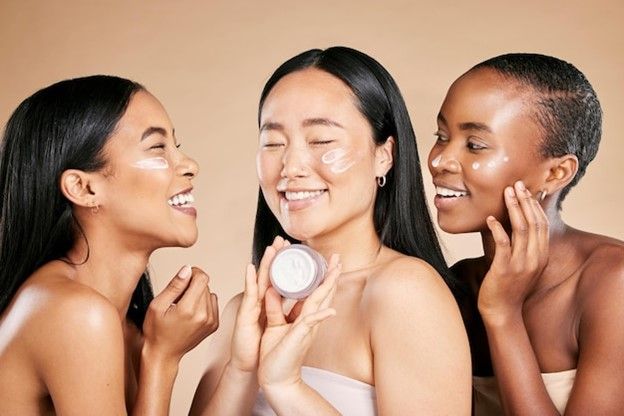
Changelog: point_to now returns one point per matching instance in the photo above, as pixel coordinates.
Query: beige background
(208, 60)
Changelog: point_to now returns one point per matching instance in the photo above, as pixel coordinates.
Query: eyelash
(321, 142)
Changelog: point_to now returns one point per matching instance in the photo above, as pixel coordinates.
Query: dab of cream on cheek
(339, 160)
(154, 163)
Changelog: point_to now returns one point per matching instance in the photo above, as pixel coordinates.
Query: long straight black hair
(401, 215)
(63, 126)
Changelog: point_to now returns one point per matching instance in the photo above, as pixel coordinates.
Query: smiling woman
(338, 171)
(92, 183)
(515, 134)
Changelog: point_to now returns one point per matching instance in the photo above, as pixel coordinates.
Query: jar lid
(293, 270)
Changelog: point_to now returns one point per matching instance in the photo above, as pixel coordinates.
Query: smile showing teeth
(298, 196)
(449, 192)
(181, 200)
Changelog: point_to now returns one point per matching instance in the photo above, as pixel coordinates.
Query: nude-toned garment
(348, 396)
(487, 403)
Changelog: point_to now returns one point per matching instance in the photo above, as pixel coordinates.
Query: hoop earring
(381, 181)
(541, 195)
(95, 208)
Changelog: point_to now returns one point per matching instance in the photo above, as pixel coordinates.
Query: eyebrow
(470, 125)
(321, 122)
(318, 121)
(154, 130)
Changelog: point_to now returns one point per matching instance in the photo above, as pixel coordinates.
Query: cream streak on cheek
(338, 160)
(154, 163)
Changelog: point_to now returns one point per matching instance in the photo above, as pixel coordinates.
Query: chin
(455, 227)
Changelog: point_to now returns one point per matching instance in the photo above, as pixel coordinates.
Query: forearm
(298, 400)
(235, 393)
(156, 378)
(517, 372)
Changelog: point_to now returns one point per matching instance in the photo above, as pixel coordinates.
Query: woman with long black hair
(92, 182)
(339, 171)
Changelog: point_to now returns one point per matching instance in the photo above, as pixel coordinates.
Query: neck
(111, 268)
(356, 242)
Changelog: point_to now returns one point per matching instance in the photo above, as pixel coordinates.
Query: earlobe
(76, 187)
(384, 157)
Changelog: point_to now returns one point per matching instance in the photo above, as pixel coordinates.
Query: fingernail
(510, 192)
(185, 272)
(521, 185)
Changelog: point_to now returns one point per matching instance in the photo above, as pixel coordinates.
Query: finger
(273, 308)
(214, 313)
(502, 253)
(542, 230)
(527, 207)
(295, 311)
(174, 289)
(519, 227)
(197, 289)
(296, 337)
(316, 298)
(263, 270)
(250, 295)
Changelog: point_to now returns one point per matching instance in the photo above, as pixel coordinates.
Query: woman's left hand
(517, 261)
(287, 339)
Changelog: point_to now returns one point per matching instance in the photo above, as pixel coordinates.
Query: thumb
(273, 308)
(176, 286)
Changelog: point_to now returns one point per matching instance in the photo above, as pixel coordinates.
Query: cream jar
(296, 270)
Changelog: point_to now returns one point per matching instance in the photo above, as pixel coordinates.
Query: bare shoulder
(410, 284)
(602, 275)
(57, 313)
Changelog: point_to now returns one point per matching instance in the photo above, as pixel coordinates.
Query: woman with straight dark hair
(339, 172)
(92, 182)
(544, 316)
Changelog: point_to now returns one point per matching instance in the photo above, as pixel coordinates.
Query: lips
(183, 201)
(293, 200)
(447, 192)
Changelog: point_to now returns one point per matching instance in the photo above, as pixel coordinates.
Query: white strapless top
(486, 401)
(348, 396)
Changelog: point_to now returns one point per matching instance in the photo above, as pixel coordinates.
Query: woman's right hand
(286, 339)
(250, 317)
(181, 316)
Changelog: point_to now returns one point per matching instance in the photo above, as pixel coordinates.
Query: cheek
(268, 166)
(490, 170)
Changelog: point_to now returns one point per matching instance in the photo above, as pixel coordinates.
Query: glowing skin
(154, 163)
(151, 176)
(311, 177)
(481, 122)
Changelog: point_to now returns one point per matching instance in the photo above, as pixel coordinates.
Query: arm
(599, 381)
(517, 263)
(80, 356)
(230, 386)
(420, 348)
(285, 344)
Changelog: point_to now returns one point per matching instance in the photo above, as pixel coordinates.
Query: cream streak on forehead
(154, 163)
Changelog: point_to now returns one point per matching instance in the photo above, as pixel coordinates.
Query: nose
(445, 161)
(295, 162)
(187, 166)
